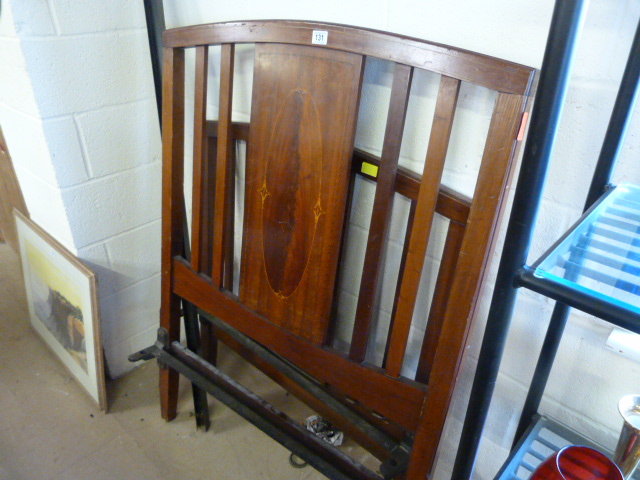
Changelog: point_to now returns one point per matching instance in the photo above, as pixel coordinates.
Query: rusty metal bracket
(316, 452)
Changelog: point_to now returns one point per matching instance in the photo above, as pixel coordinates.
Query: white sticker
(320, 37)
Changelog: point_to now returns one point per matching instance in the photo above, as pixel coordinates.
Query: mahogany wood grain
(421, 231)
(468, 66)
(208, 198)
(306, 397)
(200, 162)
(451, 204)
(300, 159)
(382, 203)
(239, 130)
(298, 163)
(440, 300)
(488, 197)
(172, 212)
(397, 400)
(224, 170)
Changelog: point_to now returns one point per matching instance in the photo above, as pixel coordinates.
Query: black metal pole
(556, 66)
(613, 140)
(154, 13)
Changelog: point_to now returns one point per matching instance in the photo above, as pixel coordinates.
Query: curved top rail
(490, 72)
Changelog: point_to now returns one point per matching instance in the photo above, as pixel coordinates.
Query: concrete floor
(51, 429)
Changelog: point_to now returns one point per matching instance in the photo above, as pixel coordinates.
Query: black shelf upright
(513, 271)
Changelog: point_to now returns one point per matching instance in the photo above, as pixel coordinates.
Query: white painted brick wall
(86, 72)
(35, 152)
(33, 18)
(17, 91)
(135, 254)
(78, 110)
(119, 138)
(108, 206)
(65, 150)
(90, 17)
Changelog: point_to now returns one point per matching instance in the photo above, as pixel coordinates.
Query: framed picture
(63, 306)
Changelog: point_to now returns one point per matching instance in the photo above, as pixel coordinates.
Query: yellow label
(369, 169)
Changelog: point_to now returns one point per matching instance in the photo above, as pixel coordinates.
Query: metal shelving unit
(543, 437)
(594, 267)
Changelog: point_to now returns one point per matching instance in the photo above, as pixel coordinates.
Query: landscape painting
(61, 292)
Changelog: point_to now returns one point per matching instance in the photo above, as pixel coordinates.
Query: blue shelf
(544, 437)
(595, 266)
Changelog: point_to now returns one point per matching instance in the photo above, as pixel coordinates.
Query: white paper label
(320, 37)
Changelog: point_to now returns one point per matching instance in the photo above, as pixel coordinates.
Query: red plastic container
(577, 463)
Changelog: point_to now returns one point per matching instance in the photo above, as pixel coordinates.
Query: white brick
(117, 355)
(412, 354)
(363, 197)
(354, 259)
(603, 52)
(376, 92)
(372, 14)
(399, 217)
(103, 208)
(45, 206)
(425, 292)
(65, 151)
(7, 26)
(179, 14)
(81, 74)
(98, 16)
(120, 138)
(380, 329)
(11, 52)
(389, 275)
(15, 84)
(347, 305)
(556, 218)
(130, 311)
(422, 103)
(527, 329)
(514, 30)
(95, 257)
(579, 139)
(32, 17)
(135, 255)
(27, 143)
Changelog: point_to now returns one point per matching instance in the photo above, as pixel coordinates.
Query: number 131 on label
(320, 37)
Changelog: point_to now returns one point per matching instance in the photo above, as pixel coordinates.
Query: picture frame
(63, 305)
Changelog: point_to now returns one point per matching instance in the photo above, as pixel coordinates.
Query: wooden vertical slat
(224, 169)
(488, 197)
(382, 203)
(227, 279)
(172, 212)
(200, 175)
(208, 199)
(208, 337)
(440, 299)
(403, 263)
(427, 198)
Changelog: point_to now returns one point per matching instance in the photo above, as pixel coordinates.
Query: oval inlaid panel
(291, 191)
